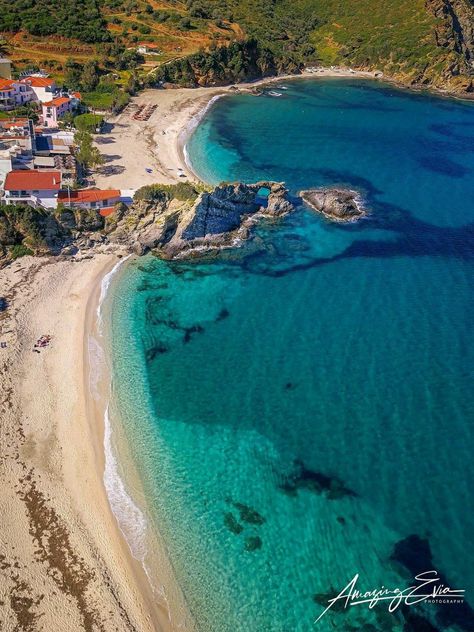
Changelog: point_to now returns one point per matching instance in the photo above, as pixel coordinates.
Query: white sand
(64, 565)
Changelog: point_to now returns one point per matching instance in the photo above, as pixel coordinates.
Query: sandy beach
(64, 563)
(146, 152)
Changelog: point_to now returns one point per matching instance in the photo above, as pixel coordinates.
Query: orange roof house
(39, 82)
(7, 85)
(55, 109)
(32, 180)
(57, 102)
(29, 186)
(90, 198)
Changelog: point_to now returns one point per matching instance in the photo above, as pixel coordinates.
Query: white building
(13, 94)
(43, 88)
(36, 188)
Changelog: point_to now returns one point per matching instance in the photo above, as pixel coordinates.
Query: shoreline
(65, 562)
(159, 144)
(121, 477)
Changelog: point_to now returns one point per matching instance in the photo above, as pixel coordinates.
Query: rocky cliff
(216, 219)
(173, 221)
(454, 31)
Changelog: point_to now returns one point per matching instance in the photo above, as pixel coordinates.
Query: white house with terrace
(43, 89)
(32, 187)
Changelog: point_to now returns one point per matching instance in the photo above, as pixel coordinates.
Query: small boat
(272, 93)
(282, 87)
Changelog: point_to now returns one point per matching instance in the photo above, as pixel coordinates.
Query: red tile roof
(88, 195)
(38, 82)
(32, 180)
(57, 102)
(6, 85)
(9, 123)
(108, 210)
(77, 95)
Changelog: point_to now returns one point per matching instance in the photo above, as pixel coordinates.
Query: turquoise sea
(301, 409)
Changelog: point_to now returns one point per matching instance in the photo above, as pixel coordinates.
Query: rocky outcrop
(455, 30)
(338, 205)
(215, 220)
(166, 221)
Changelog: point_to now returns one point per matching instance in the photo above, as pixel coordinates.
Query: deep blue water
(309, 396)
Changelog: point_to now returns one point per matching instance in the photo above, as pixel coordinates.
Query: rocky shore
(337, 205)
(174, 221)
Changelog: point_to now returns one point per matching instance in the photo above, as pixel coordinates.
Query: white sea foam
(130, 518)
(104, 286)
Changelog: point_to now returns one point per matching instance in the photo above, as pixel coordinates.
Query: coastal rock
(171, 220)
(221, 217)
(338, 205)
(221, 211)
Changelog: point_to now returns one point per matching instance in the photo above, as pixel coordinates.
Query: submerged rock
(414, 553)
(338, 205)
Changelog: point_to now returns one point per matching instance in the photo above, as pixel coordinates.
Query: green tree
(72, 77)
(87, 155)
(90, 76)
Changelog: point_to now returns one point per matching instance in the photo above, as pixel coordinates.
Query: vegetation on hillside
(224, 64)
(192, 42)
(79, 19)
(182, 191)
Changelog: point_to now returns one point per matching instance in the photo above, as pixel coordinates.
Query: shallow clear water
(316, 353)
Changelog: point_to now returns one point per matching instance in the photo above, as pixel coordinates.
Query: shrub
(88, 122)
(19, 250)
(183, 191)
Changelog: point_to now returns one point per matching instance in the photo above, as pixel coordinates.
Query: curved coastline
(120, 475)
(154, 151)
(189, 117)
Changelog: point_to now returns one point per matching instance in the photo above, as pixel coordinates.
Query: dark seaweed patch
(232, 523)
(222, 315)
(189, 331)
(322, 599)
(417, 623)
(252, 543)
(154, 351)
(248, 514)
(317, 482)
(414, 553)
(444, 165)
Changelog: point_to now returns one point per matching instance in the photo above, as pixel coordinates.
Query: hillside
(427, 42)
